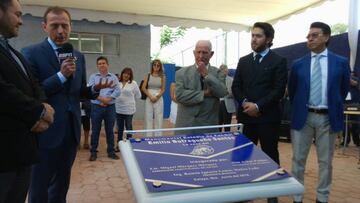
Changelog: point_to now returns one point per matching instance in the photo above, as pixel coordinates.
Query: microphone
(65, 52)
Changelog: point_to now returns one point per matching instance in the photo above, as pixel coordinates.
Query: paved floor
(106, 180)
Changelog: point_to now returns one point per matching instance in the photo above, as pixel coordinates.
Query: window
(107, 44)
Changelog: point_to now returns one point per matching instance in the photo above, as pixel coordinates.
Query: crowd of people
(41, 124)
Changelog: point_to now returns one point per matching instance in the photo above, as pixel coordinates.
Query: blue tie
(257, 58)
(316, 83)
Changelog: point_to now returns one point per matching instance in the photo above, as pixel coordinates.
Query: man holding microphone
(64, 82)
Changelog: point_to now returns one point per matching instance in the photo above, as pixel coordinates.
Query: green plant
(338, 28)
(168, 36)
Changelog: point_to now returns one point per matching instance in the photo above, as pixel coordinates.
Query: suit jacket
(64, 98)
(194, 109)
(337, 89)
(20, 109)
(263, 84)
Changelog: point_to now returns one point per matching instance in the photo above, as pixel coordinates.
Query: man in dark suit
(64, 84)
(318, 84)
(22, 112)
(258, 86)
(353, 98)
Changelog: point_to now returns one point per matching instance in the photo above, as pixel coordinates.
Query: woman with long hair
(154, 88)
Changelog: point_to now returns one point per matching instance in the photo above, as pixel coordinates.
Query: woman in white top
(154, 89)
(125, 103)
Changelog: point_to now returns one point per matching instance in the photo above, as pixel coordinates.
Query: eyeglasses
(313, 35)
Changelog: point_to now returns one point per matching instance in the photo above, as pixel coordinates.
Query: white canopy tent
(234, 15)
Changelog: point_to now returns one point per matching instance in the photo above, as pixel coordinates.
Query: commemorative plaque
(202, 160)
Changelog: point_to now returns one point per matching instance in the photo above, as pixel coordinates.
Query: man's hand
(202, 69)
(40, 126)
(102, 85)
(49, 113)
(104, 100)
(68, 67)
(207, 92)
(45, 121)
(353, 82)
(250, 109)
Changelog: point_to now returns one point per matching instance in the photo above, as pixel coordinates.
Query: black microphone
(66, 51)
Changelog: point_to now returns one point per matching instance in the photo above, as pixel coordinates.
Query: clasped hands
(104, 101)
(45, 121)
(155, 98)
(204, 72)
(250, 109)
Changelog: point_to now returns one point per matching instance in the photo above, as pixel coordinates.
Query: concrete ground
(106, 181)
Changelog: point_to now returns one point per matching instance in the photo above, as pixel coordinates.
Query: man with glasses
(318, 85)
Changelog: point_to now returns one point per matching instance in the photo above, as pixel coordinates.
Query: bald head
(203, 52)
(204, 43)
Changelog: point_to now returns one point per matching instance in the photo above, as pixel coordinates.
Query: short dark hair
(102, 58)
(268, 30)
(57, 10)
(129, 71)
(325, 28)
(4, 4)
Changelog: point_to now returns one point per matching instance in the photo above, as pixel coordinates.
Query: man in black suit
(258, 86)
(353, 98)
(22, 111)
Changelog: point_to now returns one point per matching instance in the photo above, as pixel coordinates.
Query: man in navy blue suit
(64, 84)
(318, 84)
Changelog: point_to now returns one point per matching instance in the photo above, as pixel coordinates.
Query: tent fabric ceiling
(225, 14)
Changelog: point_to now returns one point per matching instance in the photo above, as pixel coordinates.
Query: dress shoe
(317, 201)
(93, 157)
(272, 200)
(296, 202)
(113, 156)
(116, 149)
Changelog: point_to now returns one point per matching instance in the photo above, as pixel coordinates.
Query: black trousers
(50, 178)
(353, 128)
(224, 116)
(14, 185)
(267, 134)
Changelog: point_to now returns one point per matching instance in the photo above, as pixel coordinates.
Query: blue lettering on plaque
(202, 160)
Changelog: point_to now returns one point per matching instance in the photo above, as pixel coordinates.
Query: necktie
(257, 58)
(316, 83)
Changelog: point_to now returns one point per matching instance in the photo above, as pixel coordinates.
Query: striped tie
(315, 83)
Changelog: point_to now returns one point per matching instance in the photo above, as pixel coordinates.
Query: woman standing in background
(125, 104)
(154, 88)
